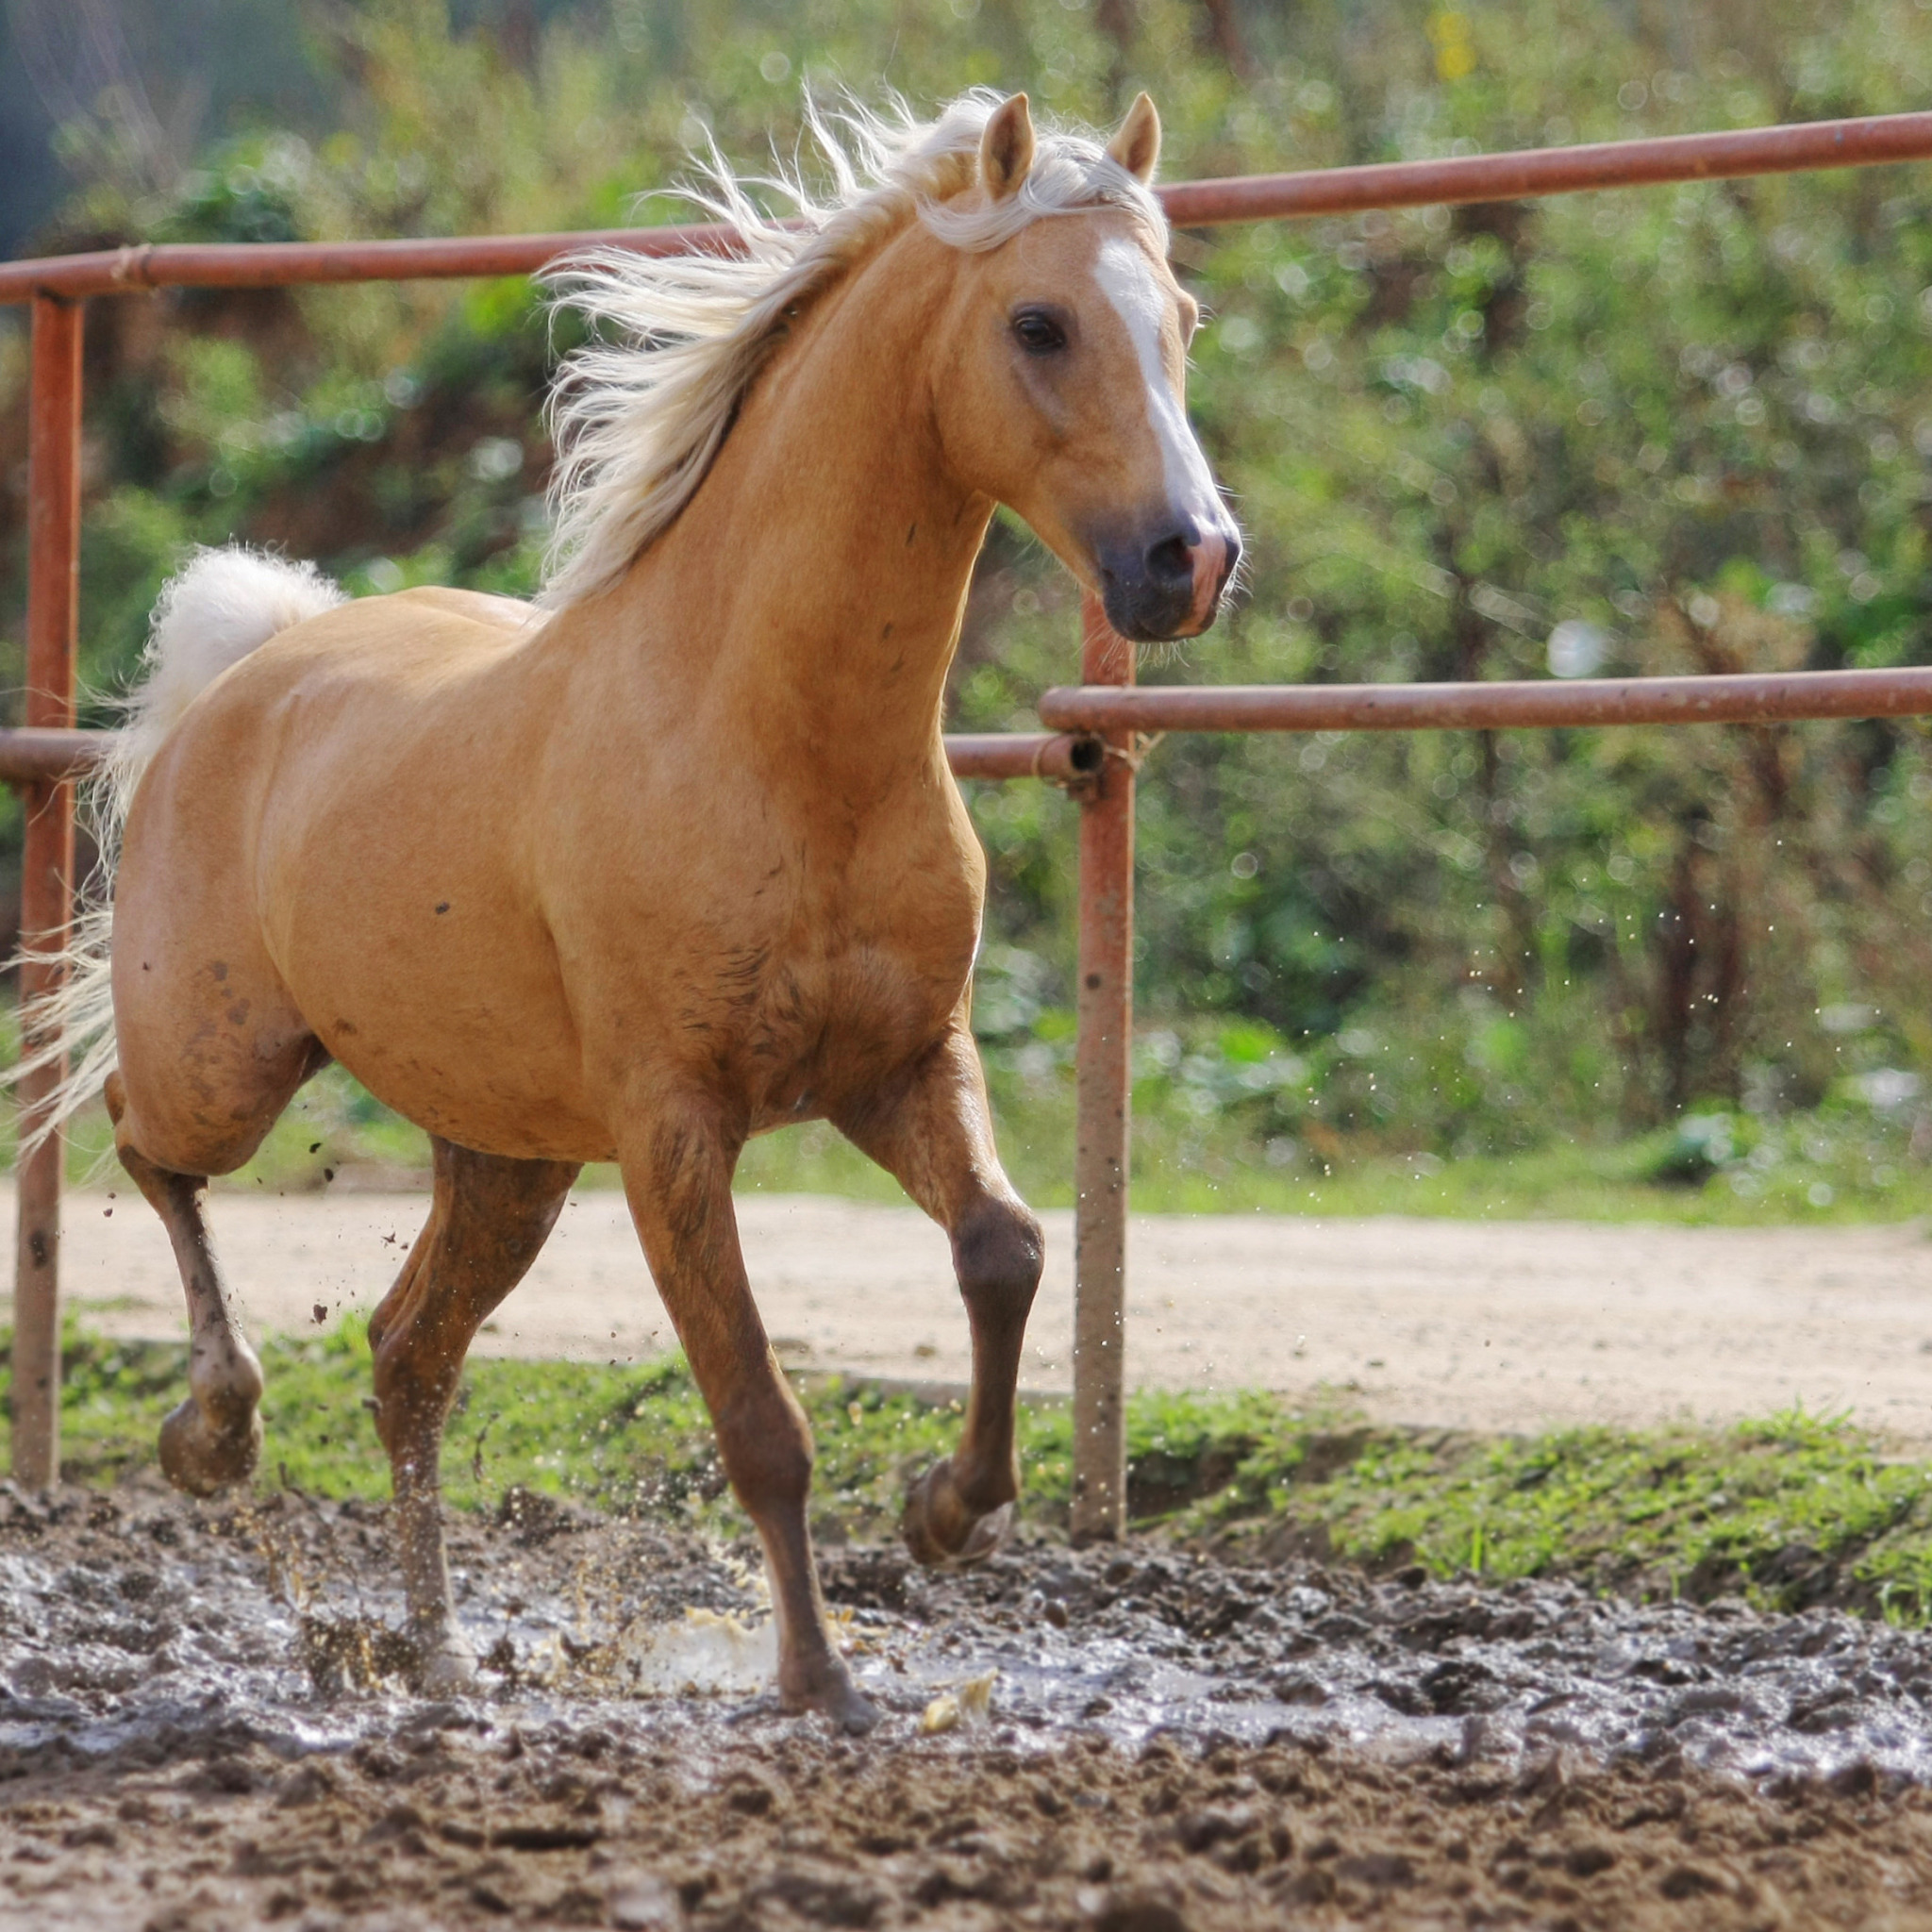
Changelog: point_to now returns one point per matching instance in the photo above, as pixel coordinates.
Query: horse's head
(1061, 375)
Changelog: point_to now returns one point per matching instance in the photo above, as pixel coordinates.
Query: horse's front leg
(932, 1128)
(678, 1180)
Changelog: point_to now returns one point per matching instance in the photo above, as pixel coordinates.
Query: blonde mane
(639, 413)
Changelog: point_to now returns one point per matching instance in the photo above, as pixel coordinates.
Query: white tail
(224, 604)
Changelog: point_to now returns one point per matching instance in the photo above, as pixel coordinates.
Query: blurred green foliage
(1662, 430)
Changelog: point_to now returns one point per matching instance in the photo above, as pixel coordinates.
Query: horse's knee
(998, 1251)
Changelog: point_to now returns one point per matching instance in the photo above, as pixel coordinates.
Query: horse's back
(338, 701)
(484, 607)
(429, 637)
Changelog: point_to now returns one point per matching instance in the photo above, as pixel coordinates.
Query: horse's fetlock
(416, 1473)
(225, 1379)
(986, 1487)
(201, 1453)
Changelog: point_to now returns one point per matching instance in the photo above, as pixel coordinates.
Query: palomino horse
(673, 857)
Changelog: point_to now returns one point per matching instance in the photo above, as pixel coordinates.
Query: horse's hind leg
(933, 1130)
(214, 1437)
(487, 1222)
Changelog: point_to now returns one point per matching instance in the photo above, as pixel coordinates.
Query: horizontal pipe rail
(1062, 758)
(1532, 171)
(277, 264)
(1071, 750)
(42, 756)
(1527, 173)
(34, 755)
(1748, 698)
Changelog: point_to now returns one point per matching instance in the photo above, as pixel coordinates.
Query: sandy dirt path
(1477, 1326)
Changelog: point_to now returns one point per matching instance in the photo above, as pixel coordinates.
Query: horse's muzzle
(1170, 588)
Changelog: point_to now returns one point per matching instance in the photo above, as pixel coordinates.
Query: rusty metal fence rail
(1093, 739)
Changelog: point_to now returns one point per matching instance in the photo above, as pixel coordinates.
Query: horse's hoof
(199, 1459)
(845, 1705)
(986, 1536)
(830, 1691)
(938, 1529)
(854, 1714)
(447, 1669)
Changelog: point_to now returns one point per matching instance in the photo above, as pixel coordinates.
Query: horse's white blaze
(1127, 281)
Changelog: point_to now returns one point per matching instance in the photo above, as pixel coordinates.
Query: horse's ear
(1006, 149)
(1136, 144)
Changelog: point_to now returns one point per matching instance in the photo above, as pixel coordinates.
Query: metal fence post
(46, 883)
(1106, 1011)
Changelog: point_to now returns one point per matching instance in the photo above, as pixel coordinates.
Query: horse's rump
(342, 824)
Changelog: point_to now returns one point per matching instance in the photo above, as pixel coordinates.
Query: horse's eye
(1039, 332)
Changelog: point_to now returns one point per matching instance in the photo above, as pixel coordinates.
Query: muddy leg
(679, 1184)
(933, 1130)
(214, 1437)
(488, 1219)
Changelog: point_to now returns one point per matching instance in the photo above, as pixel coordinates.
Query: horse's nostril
(1171, 560)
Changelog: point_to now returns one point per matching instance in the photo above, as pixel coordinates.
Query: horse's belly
(476, 1077)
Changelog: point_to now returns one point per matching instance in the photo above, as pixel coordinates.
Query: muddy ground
(205, 1724)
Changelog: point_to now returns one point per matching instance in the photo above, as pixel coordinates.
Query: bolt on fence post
(1106, 1009)
(46, 882)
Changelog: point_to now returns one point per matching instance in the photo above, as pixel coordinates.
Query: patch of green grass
(1787, 1511)
(632, 1440)
(1790, 1510)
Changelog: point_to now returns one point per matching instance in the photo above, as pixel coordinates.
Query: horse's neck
(820, 573)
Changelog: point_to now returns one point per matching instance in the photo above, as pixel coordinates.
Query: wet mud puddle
(131, 1623)
(205, 1726)
(1167, 1644)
